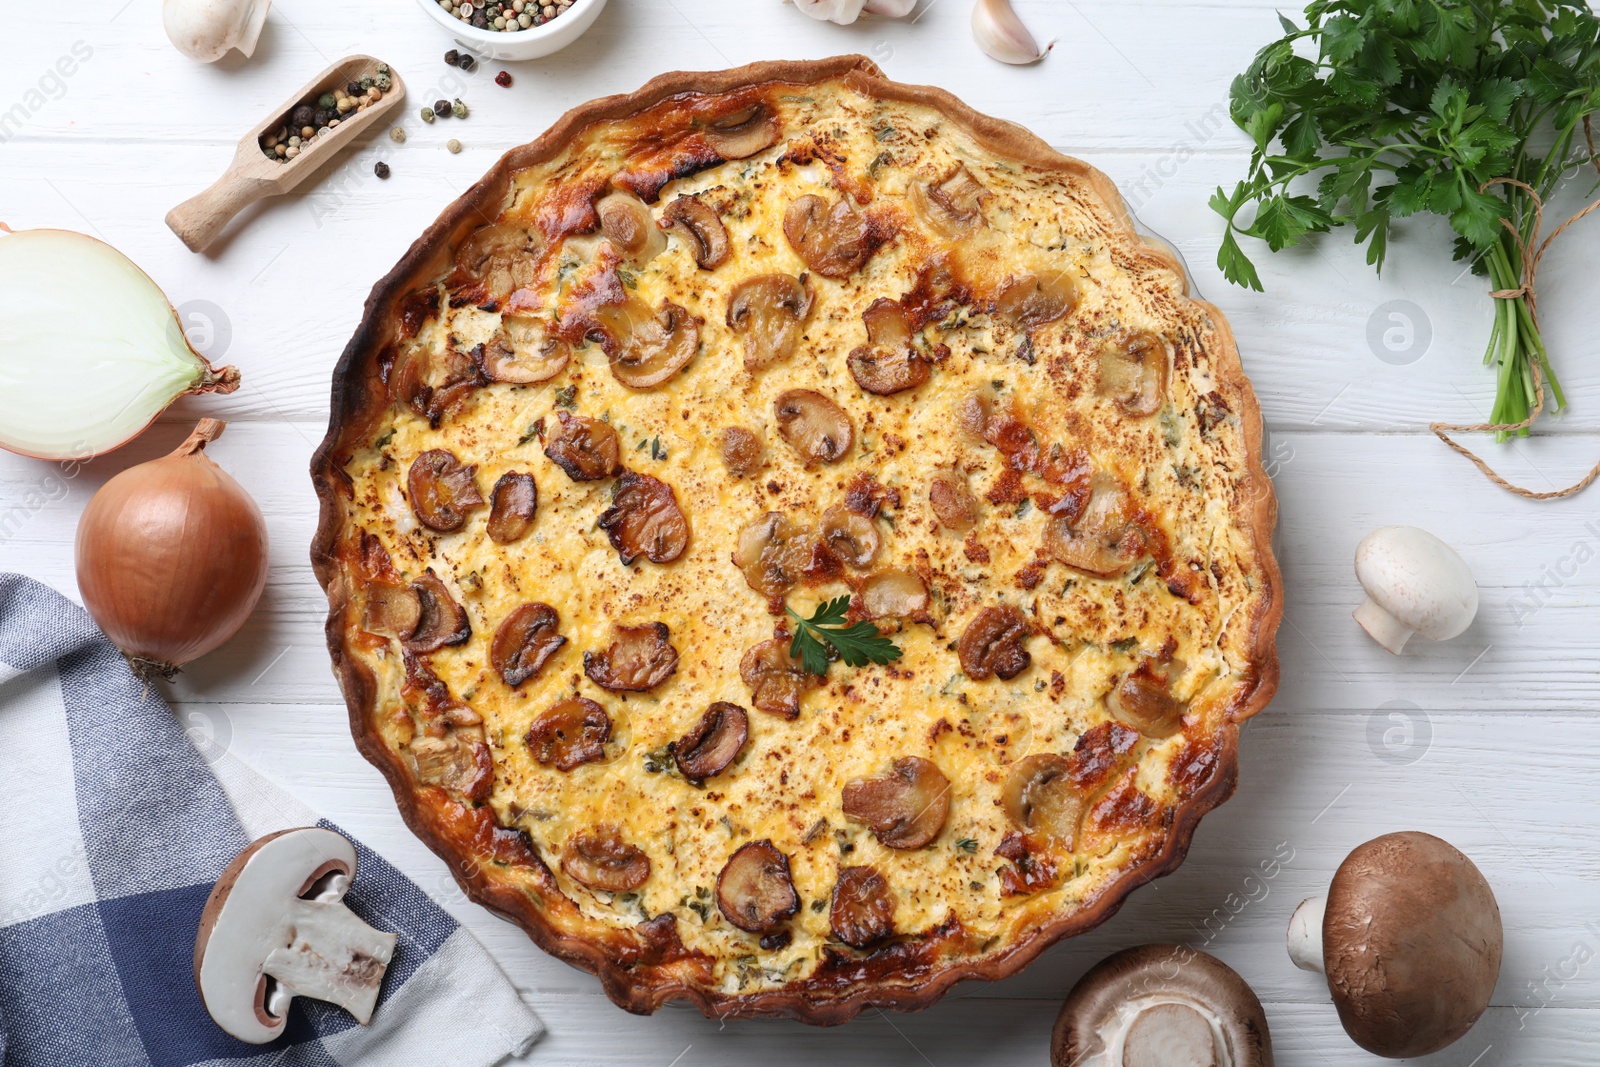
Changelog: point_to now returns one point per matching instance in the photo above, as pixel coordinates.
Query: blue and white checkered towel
(114, 829)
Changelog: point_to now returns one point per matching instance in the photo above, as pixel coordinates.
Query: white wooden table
(1489, 741)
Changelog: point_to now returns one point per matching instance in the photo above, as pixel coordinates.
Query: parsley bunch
(1412, 106)
(858, 644)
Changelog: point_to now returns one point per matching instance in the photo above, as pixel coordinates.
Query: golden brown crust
(641, 973)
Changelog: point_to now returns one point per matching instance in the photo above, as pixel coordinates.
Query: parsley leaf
(858, 644)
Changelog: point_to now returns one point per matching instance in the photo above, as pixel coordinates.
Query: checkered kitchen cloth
(115, 827)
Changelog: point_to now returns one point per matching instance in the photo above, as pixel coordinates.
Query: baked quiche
(791, 544)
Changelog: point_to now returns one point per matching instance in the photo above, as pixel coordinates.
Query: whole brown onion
(172, 557)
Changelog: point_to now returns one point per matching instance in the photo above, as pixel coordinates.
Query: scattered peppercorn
(381, 169)
(503, 79)
(467, 62)
(442, 108)
(458, 109)
(427, 114)
(452, 57)
(454, 145)
(397, 134)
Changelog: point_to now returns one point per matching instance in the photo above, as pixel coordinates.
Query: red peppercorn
(503, 79)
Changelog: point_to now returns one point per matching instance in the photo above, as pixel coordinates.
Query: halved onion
(90, 349)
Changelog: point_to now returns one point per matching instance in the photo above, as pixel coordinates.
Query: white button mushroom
(1415, 583)
(1409, 938)
(206, 30)
(1161, 1006)
(276, 927)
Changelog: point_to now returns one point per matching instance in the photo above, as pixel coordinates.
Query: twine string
(1531, 252)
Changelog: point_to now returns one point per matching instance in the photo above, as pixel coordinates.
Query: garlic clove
(844, 12)
(206, 30)
(1002, 35)
(893, 9)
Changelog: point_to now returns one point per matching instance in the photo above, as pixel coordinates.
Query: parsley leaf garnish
(858, 644)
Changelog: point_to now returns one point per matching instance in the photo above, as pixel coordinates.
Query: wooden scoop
(253, 176)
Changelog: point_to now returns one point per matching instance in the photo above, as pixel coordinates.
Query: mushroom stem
(1305, 934)
(1385, 629)
(332, 955)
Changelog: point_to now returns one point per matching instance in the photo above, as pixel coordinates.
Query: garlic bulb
(1002, 35)
(844, 12)
(206, 30)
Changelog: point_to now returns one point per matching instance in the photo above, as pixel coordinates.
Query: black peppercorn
(323, 115)
(480, 21)
(466, 62)
(381, 169)
(452, 57)
(353, 89)
(304, 115)
(441, 108)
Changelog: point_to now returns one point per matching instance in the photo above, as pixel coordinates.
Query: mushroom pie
(792, 545)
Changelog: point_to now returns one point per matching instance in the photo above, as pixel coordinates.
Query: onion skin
(172, 557)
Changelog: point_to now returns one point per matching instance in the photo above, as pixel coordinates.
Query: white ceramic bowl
(530, 43)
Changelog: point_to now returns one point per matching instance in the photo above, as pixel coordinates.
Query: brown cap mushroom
(276, 927)
(1409, 937)
(1161, 1006)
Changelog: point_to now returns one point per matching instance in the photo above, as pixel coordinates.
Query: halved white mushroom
(1161, 1006)
(835, 240)
(952, 499)
(626, 223)
(276, 927)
